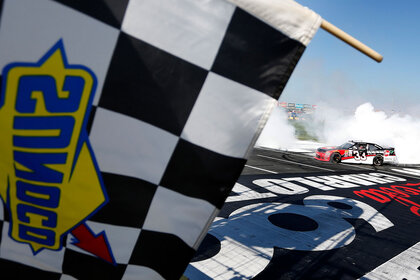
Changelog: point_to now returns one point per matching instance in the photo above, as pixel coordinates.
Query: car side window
(374, 147)
(359, 147)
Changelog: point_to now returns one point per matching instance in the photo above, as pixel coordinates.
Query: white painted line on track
(394, 171)
(407, 172)
(266, 170)
(288, 161)
(402, 266)
(410, 171)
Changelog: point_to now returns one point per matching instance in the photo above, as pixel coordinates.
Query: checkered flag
(126, 123)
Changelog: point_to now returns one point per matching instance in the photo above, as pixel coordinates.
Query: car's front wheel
(378, 161)
(335, 158)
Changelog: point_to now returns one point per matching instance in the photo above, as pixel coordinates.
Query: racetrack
(293, 217)
(267, 161)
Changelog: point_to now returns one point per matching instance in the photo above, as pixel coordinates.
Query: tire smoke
(277, 133)
(333, 126)
(367, 124)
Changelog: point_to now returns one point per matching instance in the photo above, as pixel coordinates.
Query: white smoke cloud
(367, 124)
(277, 133)
(333, 125)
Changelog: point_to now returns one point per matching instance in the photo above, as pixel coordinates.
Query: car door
(358, 153)
(349, 154)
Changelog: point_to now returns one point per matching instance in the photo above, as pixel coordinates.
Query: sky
(334, 73)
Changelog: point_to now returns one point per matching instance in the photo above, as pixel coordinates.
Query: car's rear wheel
(335, 158)
(378, 161)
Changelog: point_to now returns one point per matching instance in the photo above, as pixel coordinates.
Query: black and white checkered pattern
(184, 87)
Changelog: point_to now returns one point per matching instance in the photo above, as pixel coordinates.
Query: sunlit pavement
(292, 217)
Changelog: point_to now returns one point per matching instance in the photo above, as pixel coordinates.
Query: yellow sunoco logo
(49, 179)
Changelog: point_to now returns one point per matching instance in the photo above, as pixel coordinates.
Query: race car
(357, 152)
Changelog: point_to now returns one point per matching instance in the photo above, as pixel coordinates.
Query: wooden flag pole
(340, 34)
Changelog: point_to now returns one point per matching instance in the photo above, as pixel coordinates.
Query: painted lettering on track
(400, 194)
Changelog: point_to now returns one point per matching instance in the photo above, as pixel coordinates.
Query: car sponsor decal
(49, 178)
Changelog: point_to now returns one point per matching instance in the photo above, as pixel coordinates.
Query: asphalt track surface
(293, 217)
(266, 161)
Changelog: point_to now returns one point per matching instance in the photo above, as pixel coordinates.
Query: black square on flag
(240, 57)
(108, 11)
(86, 267)
(165, 253)
(1, 7)
(197, 172)
(19, 271)
(151, 85)
(129, 201)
